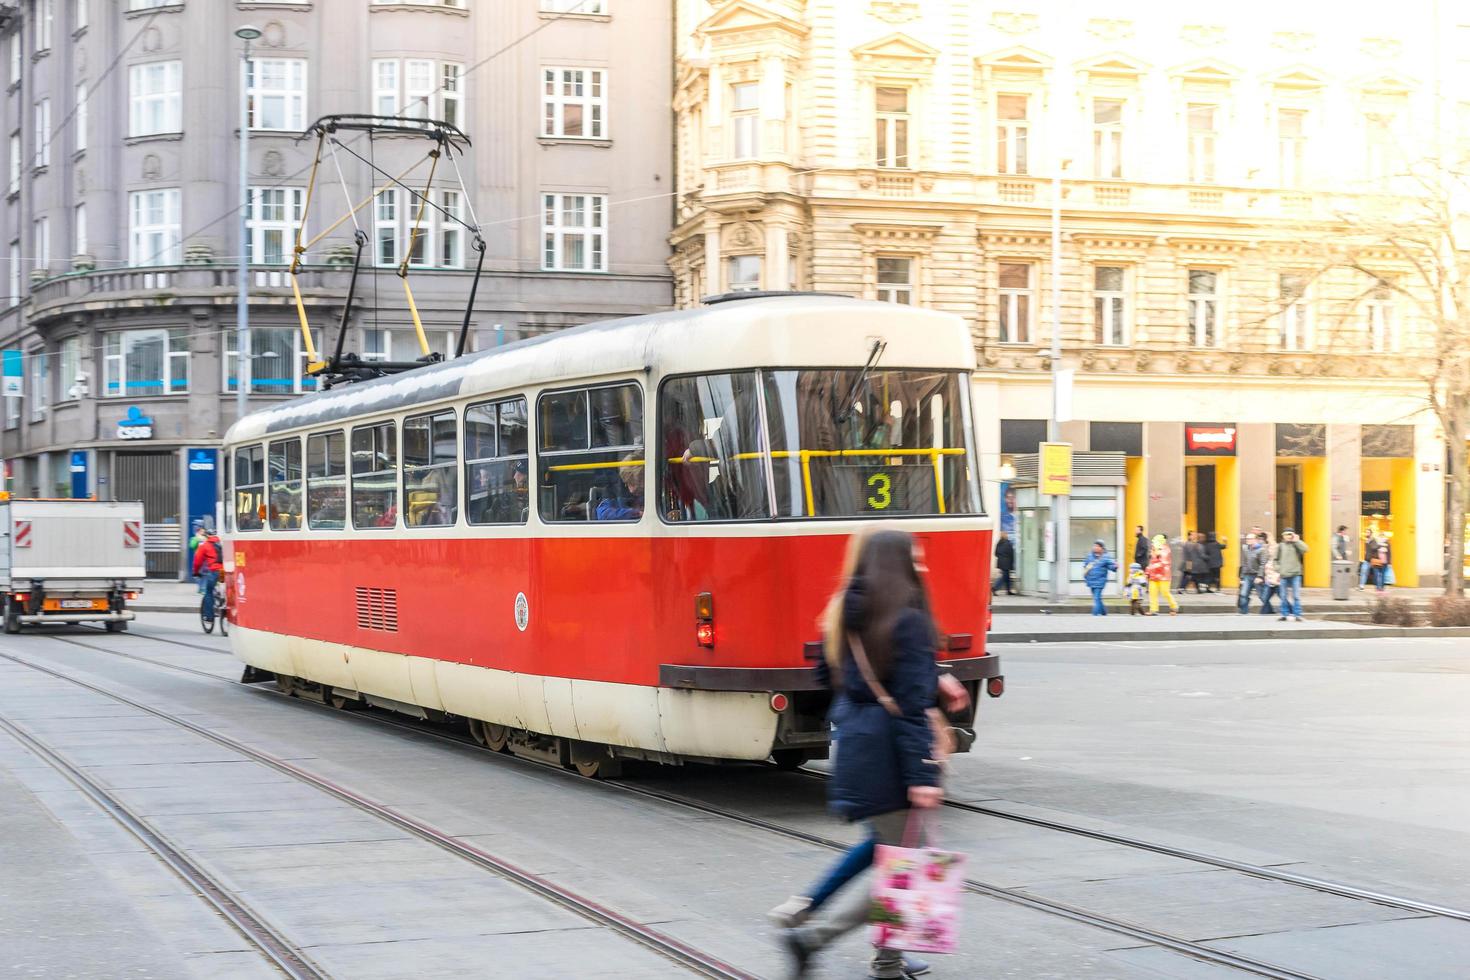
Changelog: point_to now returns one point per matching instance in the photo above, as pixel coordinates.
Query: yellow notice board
(1055, 477)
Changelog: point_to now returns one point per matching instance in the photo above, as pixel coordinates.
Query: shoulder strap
(860, 657)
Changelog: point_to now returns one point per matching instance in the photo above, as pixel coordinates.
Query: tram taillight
(704, 619)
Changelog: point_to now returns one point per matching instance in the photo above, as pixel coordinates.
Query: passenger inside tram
(624, 502)
(511, 504)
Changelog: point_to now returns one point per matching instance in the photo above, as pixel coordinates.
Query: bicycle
(207, 622)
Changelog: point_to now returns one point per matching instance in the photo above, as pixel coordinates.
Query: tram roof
(766, 331)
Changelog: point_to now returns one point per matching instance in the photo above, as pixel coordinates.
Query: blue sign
(202, 491)
(13, 363)
(79, 473)
(134, 425)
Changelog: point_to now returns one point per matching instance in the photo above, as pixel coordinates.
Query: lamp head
(248, 33)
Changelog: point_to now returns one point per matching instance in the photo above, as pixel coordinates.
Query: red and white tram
(612, 541)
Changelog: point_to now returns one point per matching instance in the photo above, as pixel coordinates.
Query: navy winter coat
(879, 755)
(1095, 572)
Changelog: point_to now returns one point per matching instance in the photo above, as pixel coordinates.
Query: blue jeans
(1291, 595)
(1380, 576)
(857, 860)
(1243, 600)
(1098, 609)
(209, 578)
(1364, 570)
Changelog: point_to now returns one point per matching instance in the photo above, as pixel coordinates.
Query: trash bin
(1344, 577)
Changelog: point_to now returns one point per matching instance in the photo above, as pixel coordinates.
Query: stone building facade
(906, 150)
(119, 228)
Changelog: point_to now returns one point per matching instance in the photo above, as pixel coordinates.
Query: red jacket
(207, 556)
(1161, 566)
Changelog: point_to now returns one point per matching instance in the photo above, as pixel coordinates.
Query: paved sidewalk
(1043, 628)
(1223, 602)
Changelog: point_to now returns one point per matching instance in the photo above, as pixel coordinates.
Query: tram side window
(326, 481)
(496, 475)
(374, 476)
(711, 449)
(250, 488)
(283, 462)
(590, 454)
(430, 470)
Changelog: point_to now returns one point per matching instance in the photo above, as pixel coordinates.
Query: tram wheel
(286, 685)
(477, 731)
(788, 760)
(605, 767)
(497, 737)
(342, 703)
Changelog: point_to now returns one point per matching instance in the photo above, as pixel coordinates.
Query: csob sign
(134, 425)
(1209, 440)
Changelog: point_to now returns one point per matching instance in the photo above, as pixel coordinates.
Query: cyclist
(207, 563)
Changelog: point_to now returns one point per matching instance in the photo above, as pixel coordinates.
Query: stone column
(776, 269)
(1345, 475)
(1255, 449)
(1163, 447)
(713, 273)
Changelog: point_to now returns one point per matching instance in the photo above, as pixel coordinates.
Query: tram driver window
(711, 451)
(283, 462)
(497, 479)
(374, 476)
(326, 481)
(250, 488)
(430, 470)
(590, 459)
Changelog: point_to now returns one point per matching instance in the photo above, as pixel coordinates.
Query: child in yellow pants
(1154, 589)
(1160, 572)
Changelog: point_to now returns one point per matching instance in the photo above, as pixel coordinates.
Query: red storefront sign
(1209, 440)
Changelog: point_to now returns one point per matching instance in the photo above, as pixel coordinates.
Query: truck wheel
(118, 626)
(12, 616)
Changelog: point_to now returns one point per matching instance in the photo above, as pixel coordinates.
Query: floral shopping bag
(916, 898)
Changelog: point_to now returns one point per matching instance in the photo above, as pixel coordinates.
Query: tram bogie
(614, 542)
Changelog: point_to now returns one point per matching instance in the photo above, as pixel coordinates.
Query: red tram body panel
(575, 617)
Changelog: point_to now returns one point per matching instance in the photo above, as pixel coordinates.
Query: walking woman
(880, 654)
(1160, 574)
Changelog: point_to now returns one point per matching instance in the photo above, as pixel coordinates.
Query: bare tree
(1426, 234)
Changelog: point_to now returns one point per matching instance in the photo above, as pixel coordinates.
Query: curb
(1212, 609)
(1305, 633)
(145, 608)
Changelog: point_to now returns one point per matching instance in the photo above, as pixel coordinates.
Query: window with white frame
(573, 103)
(451, 93)
(418, 88)
(149, 4)
(79, 230)
(743, 273)
(385, 87)
(1109, 305)
(13, 184)
(79, 117)
(457, 4)
(1296, 313)
(896, 279)
(146, 362)
(69, 366)
(573, 233)
(40, 381)
(385, 227)
(41, 242)
(401, 344)
(745, 121)
(1012, 134)
(440, 238)
(153, 227)
(1380, 145)
(1383, 333)
(574, 6)
(45, 17)
(155, 98)
(1016, 302)
(278, 361)
(891, 136)
(43, 133)
(15, 58)
(12, 412)
(13, 272)
(1291, 146)
(276, 93)
(1202, 139)
(274, 216)
(1107, 138)
(1204, 307)
(451, 232)
(79, 14)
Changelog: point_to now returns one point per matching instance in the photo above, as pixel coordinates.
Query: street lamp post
(242, 301)
(1061, 529)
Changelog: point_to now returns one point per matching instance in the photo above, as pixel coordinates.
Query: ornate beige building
(905, 150)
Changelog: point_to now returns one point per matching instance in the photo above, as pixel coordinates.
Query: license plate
(81, 604)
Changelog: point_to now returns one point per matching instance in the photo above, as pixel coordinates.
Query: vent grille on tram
(377, 609)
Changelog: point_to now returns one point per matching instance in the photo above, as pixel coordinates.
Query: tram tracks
(1191, 948)
(671, 949)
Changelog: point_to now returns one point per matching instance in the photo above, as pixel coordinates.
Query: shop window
(1021, 436)
(250, 488)
(430, 470)
(375, 476)
(496, 470)
(590, 454)
(1115, 437)
(326, 481)
(283, 466)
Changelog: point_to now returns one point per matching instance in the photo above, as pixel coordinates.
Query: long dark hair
(892, 585)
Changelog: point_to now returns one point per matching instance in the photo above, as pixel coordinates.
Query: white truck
(70, 561)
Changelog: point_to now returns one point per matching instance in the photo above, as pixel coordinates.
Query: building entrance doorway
(154, 479)
(1288, 498)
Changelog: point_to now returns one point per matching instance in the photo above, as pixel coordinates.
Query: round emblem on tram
(523, 611)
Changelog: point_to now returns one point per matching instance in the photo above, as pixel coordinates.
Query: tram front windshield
(835, 443)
